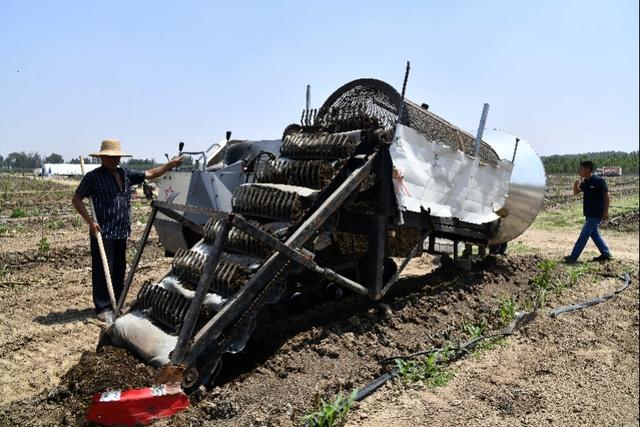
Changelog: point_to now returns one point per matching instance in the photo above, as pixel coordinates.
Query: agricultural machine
(259, 226)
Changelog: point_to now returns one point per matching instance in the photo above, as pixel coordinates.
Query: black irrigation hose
(574, 307)
(520, 320)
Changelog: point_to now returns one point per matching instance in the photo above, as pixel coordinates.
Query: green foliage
(54, 158)
(141, 164)
(508, 308)
(76, 222)
(55, 224)
(571, 216)
(542, 282)
(18, 213)
(44, 245)
(474, 330)
(568, 163)
(427, 370)
(331, 413)
(4, 228)
(3, 270)
(17, 161)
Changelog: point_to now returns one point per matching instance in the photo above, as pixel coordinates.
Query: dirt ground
(579, 368)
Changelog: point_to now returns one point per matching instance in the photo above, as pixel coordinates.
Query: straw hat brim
(109, 153)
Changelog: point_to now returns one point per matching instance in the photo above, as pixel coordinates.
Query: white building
(65, 169)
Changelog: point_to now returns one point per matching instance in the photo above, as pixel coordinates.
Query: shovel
(103, 256)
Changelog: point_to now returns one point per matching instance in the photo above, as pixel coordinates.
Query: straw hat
(110, 147)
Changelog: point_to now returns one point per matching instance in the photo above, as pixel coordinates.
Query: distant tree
(1, 161)
(140, 164)
(23, 161)
(568, 163)
(54, 158)
(187, 160)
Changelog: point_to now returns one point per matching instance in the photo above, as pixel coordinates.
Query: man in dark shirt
(110, 188)
(595, 206)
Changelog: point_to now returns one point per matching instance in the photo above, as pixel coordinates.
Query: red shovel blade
(137, 406)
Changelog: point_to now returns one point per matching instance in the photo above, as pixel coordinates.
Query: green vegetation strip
(572, 217)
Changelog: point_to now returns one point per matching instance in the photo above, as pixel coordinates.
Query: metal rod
(239, 303)
(308, 104)
(413, 252)
(136, 259)
(295, 255)
(515, 150)
(483, 122)
(178, 217)
(177, 355)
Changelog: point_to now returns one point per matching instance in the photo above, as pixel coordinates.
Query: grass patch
(571, 216)
(55, 225)
(3, 270)
(44, 246)
(77, 222)
(18, 213)
(427, 370)
(330, 413)
(521, 248)
(4, 228)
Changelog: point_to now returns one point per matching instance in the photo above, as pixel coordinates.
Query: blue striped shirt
(113, 206)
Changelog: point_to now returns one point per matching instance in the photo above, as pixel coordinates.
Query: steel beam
(246, 297)
(136, 259)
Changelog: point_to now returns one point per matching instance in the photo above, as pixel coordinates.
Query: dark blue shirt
(594, 190)
(112, 204)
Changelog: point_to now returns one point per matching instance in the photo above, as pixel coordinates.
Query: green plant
(3, 270)
(331, 413)
(508, 308)
(18, 213)
(543, 278)
(474, 330)
(4, 228)
(76, 222)
(427, 370)
(577, 272)
(55, 225)
(44, 245)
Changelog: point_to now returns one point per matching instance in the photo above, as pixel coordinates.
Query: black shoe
(602, 258)
(570, 260)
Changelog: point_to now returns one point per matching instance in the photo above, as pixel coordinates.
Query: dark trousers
(116, 251)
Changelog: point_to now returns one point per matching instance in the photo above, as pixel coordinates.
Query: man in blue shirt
(595, 206)
(110, 187)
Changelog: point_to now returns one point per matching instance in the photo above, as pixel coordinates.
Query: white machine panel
(452, 184)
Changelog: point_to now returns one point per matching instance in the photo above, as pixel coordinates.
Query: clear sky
(561, 74)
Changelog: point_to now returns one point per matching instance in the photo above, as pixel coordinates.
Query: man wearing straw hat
(110, 187)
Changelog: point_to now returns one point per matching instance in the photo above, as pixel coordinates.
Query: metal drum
(526, 188)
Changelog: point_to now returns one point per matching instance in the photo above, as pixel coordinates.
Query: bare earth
(578, 369)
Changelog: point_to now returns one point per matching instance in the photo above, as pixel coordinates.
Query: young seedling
(427, 371)
(508, 308)
(18, 213)
(331, 413)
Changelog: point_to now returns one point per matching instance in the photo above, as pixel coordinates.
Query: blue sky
(561, 74)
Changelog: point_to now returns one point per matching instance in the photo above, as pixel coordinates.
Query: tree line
(568, 163)
(23, 161)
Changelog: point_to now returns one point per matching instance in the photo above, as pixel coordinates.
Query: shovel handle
(103, 254)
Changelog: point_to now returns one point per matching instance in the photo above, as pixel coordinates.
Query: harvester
(367, 178)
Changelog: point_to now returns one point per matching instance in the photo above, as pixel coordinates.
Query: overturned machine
(368, 177)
